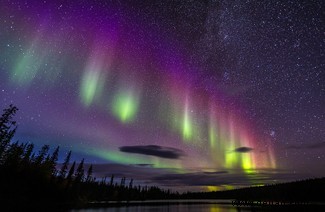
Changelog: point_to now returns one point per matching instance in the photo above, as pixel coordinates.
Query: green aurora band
(125, 106)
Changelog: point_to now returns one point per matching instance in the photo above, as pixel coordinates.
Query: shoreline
(224, 202)
(155, 202)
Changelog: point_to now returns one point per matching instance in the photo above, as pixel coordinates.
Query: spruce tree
(71, 171)
(131, 184)
(65, 164)
(89, 173)
(80, 171)
(28, 152)
(41, 155)
(7, 128)
(112, 180)
(53, 160)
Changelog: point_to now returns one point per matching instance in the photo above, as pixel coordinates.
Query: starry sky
(189, 95)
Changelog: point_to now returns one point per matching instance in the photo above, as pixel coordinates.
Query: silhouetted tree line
(33, 180)
(309, 190)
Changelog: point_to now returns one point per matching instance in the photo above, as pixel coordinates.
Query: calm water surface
(169, 208)
(191, 206)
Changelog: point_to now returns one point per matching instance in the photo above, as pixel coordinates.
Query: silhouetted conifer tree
(70, 175)
(13, 154)
(89, 173)
(32, 158)
(41, 155)
(7, 128)
(112, 180)
(65, 164)
(122, 184)
(80, 172)
(103, 182)
(71, 171)
(131, 184)
(28, 152)
(53, 160)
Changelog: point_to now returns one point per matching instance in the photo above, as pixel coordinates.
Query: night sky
(189, 95)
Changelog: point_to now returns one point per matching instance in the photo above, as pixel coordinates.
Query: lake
(195, 206)
(165, 208)
(163, 205)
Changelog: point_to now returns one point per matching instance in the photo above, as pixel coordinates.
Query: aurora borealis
(179, 90)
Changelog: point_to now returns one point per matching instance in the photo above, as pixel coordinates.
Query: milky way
(228, 87)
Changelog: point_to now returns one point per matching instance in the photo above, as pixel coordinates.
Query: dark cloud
(144, 165)
(310, 146)
(218, 172)
(316, 145)
(154, 150)
(243, 149)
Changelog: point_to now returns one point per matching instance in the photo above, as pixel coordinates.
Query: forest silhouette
(33, 180)
(30, 179)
